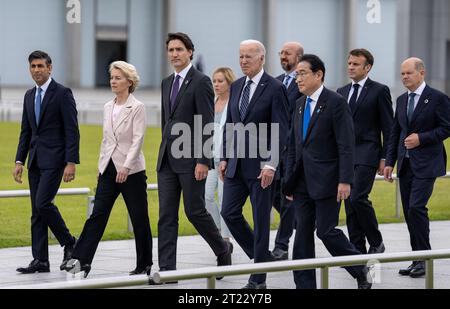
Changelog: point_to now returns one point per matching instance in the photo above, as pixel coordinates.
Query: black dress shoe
(141, 271)
(74, 266)
(68, 249)
(255, 286)
(35, 266)
(407, 271)
(279, 255)
(363, 282)
(225, 258)
(418, 271)
(377, 250)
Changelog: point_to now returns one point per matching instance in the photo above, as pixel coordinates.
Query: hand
(69, 172)
(343, 192)
(381, 167)
(201, 172)
(388, 174)
(412, 141)
(122, 175)
(266, 177)
(17, 173)
(222, 169)
(290, 198)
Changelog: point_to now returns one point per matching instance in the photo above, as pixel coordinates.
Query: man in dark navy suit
(421, 124)
(257, 101)
(186, 94)
(50, 138)
(371, 106)
(290, 56)
(320, 170)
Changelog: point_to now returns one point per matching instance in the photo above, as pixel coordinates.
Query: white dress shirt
(182, 75)
(315, 98)
(254, 85)
(361, 84)
(418, 93)
(44, 88)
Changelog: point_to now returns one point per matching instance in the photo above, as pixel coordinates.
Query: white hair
(259, 45)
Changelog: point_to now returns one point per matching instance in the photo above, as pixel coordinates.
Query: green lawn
(15, 213)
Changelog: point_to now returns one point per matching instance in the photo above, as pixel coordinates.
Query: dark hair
(38, 54)
(364, 53)
(315, 63)
(183, 37)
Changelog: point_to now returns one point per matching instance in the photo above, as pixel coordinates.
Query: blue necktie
(411, 104)
(306, 117)
(286, 81)
(37, 105)
(174, 94)
(245, 100)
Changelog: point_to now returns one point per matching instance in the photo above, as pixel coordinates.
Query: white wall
(26, 26)
(145, 42)
(319, 26)
(217, 28)
(381, 40)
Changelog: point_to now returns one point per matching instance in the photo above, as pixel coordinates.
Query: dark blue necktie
(411, 104)
(37, 105)
(286, 81)
(354, 98)
(245, 100)
(174, 94)
(306, 117)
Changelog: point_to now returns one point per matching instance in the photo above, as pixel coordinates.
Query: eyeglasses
(303, 74)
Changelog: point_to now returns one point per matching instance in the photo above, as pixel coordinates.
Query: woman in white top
(121, 171)
(222, 80)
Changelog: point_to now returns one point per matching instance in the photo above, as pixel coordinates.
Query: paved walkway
(117, 258)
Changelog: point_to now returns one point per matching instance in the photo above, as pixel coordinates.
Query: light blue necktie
(37, 105)
(245, 101)
(306, 117)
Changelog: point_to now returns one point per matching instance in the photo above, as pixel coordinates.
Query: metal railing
(72, 192)
(61, 192)
(211, 273)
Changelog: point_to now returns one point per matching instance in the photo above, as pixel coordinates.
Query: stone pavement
(117, 258)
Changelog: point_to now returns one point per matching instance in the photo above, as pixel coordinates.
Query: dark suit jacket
(196, 98)
(56, 140)
(431, 120)
(269, 105)
(326, 156)
(372, 120)
(293, 93)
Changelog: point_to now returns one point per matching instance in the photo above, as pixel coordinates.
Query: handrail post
(324, 278)
(211, 283)
(429, 281)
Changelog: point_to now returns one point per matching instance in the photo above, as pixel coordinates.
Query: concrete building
(135, 31)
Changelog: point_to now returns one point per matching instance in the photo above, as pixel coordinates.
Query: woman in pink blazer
(121, 171)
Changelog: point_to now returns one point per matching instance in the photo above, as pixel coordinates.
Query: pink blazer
(122, 140)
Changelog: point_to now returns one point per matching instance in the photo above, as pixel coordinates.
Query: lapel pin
(427, 101)
(300, 110)
(187, 82)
